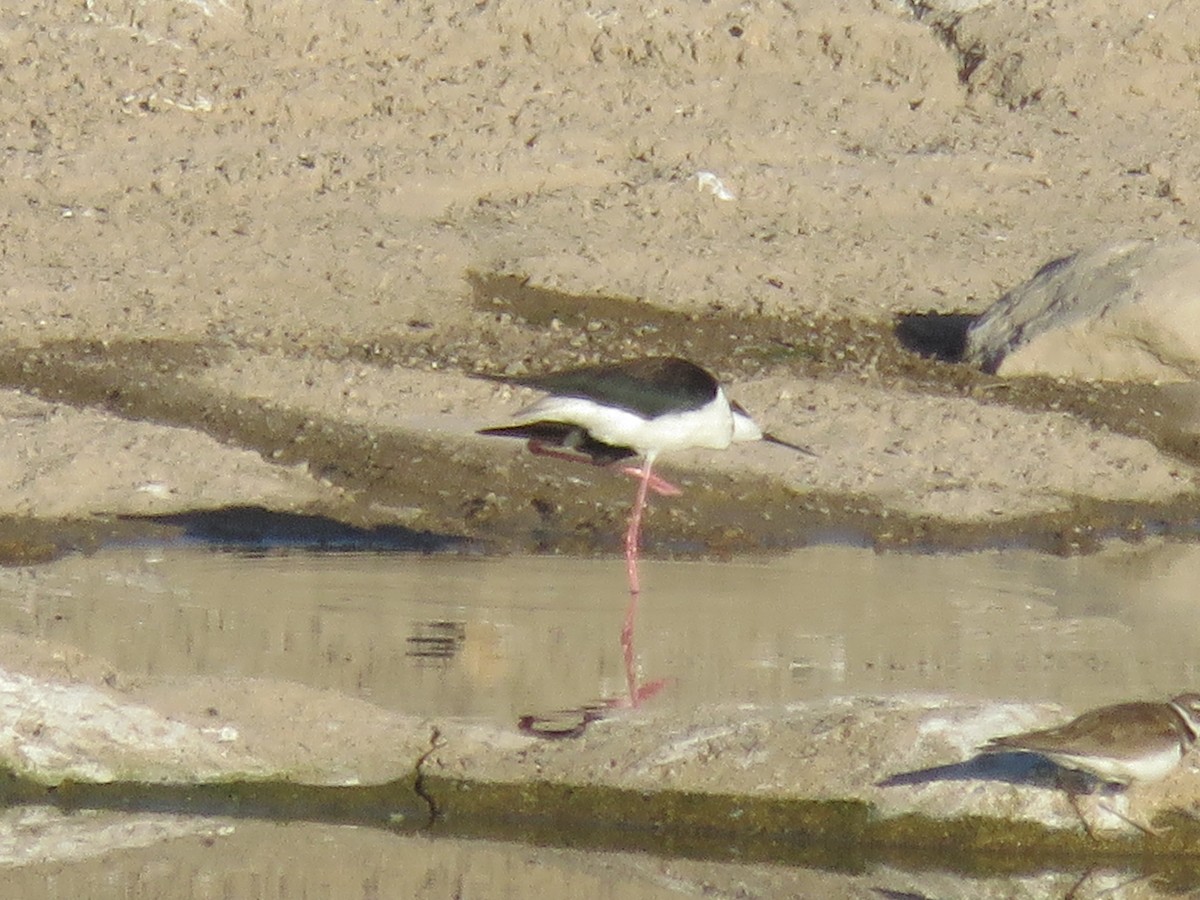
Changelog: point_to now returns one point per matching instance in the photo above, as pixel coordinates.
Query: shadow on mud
(257, 528)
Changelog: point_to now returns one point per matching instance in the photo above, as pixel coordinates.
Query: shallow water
(164, 857)
(497, 638)
(502, 638)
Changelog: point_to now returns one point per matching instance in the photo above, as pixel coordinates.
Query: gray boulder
(1126, 311)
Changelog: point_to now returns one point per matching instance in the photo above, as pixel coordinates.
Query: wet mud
(510, 509)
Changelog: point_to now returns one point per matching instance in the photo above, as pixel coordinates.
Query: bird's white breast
(711, 426)
(1147, 767)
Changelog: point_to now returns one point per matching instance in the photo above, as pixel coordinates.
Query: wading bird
(642, 407)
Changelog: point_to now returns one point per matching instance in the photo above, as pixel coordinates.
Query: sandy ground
(253, 252)
(289, 228)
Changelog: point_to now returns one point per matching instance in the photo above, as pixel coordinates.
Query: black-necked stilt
(1116, 745)
(605, 414)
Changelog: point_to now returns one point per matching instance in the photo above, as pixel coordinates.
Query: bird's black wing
(647, 387)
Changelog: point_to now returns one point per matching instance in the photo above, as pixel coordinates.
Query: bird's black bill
(771, 439)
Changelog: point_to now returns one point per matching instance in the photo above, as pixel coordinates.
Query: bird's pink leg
(647, 481)
(633, 534)
(633, 537)
(631, 679)
(660, 486)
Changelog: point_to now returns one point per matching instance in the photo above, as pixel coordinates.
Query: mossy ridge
(837, 835)
(825, 834)
(840, 835)
(395, 804)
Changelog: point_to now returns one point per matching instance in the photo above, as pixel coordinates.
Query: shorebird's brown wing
(1098, 731)
(647, 387)
(561, 434)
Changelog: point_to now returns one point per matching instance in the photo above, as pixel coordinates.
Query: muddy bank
(369, 440)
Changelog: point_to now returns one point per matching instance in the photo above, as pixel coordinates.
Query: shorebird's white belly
(711, 426)
(1147, 767)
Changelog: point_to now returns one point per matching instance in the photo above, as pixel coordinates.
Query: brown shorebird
(1116, 745)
